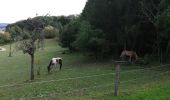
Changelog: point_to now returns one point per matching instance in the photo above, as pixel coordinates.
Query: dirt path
(2, 49)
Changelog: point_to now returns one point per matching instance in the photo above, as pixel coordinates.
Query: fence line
(152, 79)
(74, 78)
(71, 91)
(145, 68)
(133, 80)
(65, 79)
(133, 70)
(99, 86)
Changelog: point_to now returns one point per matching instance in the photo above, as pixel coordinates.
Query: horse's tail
(60, 62)
(49, 66)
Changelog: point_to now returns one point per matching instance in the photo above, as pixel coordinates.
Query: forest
(106, 27)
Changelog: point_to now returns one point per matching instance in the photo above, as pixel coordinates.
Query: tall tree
(116, 18)
(90, 40)
(68, 34)
(34, 29)
(164, 23)
(151, 11)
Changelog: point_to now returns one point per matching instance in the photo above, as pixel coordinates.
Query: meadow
(81, 78)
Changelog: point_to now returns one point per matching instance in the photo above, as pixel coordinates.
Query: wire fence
(145, 83)
(89, 76)
(74, 78)
(71, 91)
(149, 77)
(94, 87)
(105, 85)
(65, 79)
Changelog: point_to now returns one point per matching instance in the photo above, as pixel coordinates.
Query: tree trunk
(32, 66)
(10, 50)
(167, 48)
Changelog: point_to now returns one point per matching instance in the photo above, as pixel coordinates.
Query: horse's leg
(60, 62)
(49, 66)
(129, 58)
(55, 66)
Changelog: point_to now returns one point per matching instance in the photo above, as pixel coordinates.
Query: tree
(34, 29)
(164, 23)
(131, 24)
(151, 11)
(116, 18)
(15, 33)
(90, 40)
(68, 34)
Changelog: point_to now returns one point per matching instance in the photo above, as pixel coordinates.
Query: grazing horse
(54, 62)
(132, 56)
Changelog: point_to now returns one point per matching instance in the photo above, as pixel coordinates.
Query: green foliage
(80, 35)
(33, 30)
(137, 25)
(57, 22)
(15, 32)
(116, 18)
(89, 39)
(68, 34)
(164, 23)
(127, 23)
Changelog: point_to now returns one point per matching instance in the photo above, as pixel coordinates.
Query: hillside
(3, 26)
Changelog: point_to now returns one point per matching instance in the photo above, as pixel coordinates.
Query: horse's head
(123, 54)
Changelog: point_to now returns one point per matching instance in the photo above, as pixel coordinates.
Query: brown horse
(132, 56)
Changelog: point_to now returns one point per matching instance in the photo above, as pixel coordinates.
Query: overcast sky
(15, 10)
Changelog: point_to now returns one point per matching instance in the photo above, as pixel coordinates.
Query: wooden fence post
(116, 82)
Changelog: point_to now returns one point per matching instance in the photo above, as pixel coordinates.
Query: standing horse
(132, 56)
(54, 62)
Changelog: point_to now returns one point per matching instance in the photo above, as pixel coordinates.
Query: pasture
(80, 78)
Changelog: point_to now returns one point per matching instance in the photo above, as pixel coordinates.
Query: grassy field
(80, 79)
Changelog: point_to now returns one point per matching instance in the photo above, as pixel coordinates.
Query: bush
(90, 40)
(50, 32)
(4, 38)
(68, 35)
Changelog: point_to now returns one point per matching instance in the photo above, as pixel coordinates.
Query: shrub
(50, 32)
(68, 35)
(4, 38)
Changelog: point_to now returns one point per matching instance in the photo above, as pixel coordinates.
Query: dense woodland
(106, 27)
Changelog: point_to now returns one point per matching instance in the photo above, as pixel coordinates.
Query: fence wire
(74, 78)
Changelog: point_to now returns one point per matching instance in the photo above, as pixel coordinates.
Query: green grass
(149, 84)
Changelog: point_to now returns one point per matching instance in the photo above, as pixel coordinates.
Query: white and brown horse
(132, 56)
(55, 62)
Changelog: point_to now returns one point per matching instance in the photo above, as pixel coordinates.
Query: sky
(15, 10)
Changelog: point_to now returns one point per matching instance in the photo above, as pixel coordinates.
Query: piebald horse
(55, 62)
(132, 56)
